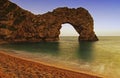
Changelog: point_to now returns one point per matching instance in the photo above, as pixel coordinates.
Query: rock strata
(19, 25)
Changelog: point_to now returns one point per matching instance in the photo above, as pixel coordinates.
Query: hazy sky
(106, 13)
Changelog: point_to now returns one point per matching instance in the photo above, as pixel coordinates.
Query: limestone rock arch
(19, 25)
(79, 18)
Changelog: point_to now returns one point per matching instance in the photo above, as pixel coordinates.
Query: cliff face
(19, 25)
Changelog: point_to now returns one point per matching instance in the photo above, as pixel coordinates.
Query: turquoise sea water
(102, 57)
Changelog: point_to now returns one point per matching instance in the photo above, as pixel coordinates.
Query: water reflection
(67, 50)
(41, 47)
(85, 51)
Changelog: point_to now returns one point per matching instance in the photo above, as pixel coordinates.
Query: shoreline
(45, 70)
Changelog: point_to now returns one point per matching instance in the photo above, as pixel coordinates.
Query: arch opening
(68, 30)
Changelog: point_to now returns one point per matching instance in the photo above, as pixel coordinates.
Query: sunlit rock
(19, 25)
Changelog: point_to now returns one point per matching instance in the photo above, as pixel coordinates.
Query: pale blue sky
(106, 13)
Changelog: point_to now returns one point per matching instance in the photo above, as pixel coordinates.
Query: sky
(106, 13)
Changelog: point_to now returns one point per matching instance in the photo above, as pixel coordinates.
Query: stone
(17, 24)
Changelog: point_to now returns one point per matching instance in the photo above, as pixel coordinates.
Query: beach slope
(15, 67)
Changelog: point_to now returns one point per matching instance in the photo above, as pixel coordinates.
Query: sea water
(102, 57)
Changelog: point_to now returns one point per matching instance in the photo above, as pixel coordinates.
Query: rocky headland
(19, 25)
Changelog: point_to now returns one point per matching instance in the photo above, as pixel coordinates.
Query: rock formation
(19, 25)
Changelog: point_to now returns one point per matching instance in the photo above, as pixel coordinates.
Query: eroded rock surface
(19, 25)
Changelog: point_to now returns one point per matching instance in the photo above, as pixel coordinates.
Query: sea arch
(79, 18)
(19, 25)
